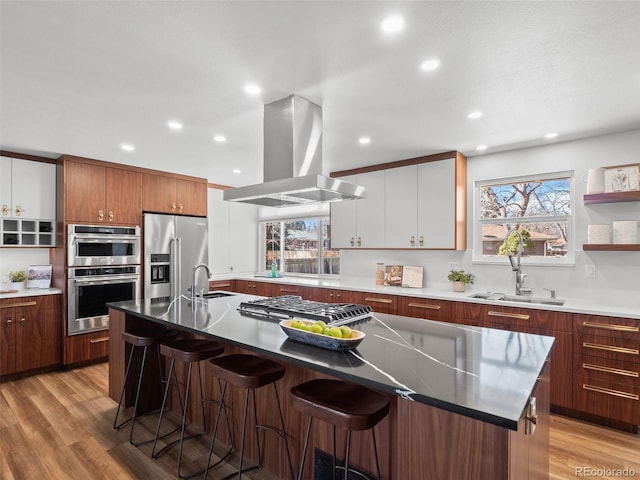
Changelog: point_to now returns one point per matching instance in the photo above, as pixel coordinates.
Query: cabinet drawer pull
(615, 371)
(20, 304)
(378, 300)
(99, 340)
(424, 305)
(617, 328)
(608, 391)
(611, 348)
(220, 285)
(519, 316)
(289, 290)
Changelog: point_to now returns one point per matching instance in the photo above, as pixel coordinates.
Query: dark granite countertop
(482, 373)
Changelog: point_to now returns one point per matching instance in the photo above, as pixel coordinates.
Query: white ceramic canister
(599, 234)
(595, 180)
(625, 231)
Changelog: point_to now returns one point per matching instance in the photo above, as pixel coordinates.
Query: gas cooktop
(290, 306)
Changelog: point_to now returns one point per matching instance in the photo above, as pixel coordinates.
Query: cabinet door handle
(22, 320)
(378, 300)
(352, 242)
(519, 316)
(608, 391)
(617, 328)
(359, 242)
(424, 305)
(180, 207)
(615, 371)
(421, 241)
(100, 215)
(19, 304)
(412, 242)
(18, 210)
(9, 322)
(110, 215)
(99, 340)
(5, 210)
(611, 348)
(173, 206)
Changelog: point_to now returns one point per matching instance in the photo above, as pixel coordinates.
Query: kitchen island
(460, 395)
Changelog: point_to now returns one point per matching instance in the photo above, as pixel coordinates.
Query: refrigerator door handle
(178, 264)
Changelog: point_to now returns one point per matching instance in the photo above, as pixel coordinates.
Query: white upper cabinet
(421, 205)
(27, 189)
(360, 223)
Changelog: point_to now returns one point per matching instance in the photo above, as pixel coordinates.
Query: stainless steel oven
(91, 288)
(102, 245)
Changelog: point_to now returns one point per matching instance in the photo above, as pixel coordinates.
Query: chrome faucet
(515, 265)
(194, 284)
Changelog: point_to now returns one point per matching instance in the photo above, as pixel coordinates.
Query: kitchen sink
(502, 297)
(217, 294)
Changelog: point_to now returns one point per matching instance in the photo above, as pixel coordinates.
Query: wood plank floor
(59, 426)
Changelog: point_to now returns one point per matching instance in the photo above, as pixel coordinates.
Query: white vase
(16, 286)
(458, 286)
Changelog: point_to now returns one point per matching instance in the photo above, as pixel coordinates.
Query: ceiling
(83, 77)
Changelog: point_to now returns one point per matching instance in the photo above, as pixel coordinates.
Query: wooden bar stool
(342, 404)
(190, 351)
(249, 372)
(145, 338)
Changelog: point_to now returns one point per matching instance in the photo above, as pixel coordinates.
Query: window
(300, 246)
(539, 207)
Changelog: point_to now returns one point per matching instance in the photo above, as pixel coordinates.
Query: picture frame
(412, 276)
(622, 178)
(393, 275)
(39, 276)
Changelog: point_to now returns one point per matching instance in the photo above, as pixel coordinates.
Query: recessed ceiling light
(174, 125)
(364, 140)
(127, 147)
(237, 170)
(430, 65)
(474, 115)
(551, 135)
(392, 24)
(481, 147)
(219, 138)
(252, 89)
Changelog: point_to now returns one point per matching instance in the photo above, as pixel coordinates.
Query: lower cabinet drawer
(607, 399)
(615, 349)
(594, 369)
(85, 347)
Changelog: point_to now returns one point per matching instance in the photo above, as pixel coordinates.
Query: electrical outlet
(454, 266)
(590, 270)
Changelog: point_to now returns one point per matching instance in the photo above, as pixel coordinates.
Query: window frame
(568, 260)
(321, 248)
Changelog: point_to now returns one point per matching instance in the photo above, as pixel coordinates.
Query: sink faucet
(194, 284)
(515, 265)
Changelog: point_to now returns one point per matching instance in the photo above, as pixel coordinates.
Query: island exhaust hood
(293, 160)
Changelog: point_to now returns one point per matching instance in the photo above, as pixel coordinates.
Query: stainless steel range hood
(293, 160)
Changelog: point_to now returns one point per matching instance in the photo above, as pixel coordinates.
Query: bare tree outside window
(540, 208)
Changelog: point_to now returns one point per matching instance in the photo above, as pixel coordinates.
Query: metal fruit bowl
(319, 339)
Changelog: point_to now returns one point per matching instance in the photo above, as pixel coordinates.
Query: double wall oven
(103, 265)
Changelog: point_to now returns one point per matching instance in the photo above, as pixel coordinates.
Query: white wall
(19, 259)
(617, 273)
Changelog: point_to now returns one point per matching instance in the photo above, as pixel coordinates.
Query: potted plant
(17, 279)
(459, 279)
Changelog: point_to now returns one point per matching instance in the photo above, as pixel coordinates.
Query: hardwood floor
(59, 426)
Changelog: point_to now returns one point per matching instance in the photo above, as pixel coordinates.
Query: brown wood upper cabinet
(173, 195)
(95, 193)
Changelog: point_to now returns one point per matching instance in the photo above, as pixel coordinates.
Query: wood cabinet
(606, 370)
(254, 288)
(18, 198)
(360, 223)
(30, 333)
(612, 197)
(95, 193)
(421, 205)
(225, 285)
(528, 320)
(427, 308)
(379, 302)
(86, 347)
(174, 195)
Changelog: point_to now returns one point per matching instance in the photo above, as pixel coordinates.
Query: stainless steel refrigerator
(173, 245)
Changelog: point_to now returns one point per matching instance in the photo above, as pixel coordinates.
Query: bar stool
(145, 338)
(189, 351)
(342, 404)
(249, 372)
